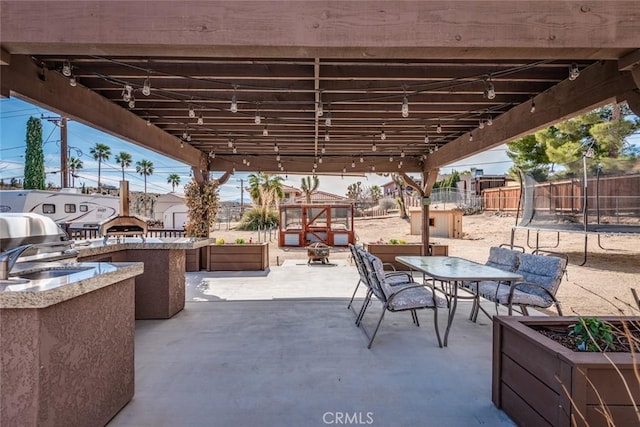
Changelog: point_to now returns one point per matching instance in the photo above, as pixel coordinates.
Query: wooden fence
(616, 195)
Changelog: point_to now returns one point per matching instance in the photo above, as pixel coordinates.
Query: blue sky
(14, 114)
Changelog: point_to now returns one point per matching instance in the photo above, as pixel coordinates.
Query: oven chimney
(124, 198)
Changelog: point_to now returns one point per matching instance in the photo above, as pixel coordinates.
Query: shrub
(387, 203)
(240, 241)
(219, 241)
(259, 217)
(393, 241)
(592, 334)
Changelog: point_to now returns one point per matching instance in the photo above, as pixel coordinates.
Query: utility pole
(64, 153)
(241, 197)
(61, 122)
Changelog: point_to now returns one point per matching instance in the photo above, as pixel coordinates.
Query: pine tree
(34, 177)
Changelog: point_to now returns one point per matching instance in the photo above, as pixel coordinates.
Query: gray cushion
(543, 270)
(503, 259)
(500, 293)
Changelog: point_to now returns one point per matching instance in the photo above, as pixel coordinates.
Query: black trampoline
(598, 205)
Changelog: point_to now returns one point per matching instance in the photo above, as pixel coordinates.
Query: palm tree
(265, 189)
(309, 186)
(174, 180)
(124, 159)
(100, 152)
(145, 168)
(75, 164)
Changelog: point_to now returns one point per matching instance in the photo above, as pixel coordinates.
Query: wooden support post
(428, 178)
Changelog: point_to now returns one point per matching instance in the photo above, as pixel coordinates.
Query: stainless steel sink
(51, 272)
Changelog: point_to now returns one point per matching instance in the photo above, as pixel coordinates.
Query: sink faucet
(9, 258)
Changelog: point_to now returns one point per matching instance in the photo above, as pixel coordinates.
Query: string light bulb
(533, 106)
(265, 131)
(405, 107)
(275, 147)
(146, 87)
(426, 135)
(126, 93)
(234, 104)
(72, 81)
(574, 71)
(192, 112)
(373, 168)
(489, 89)
(383, 135)
(470, 137)
(257, 119)
(188, 138)
(320, 159)
(66, 69)
(181, 144)
(229, 143)
(148, 122)
(184, 135)
(353, 163)
(200, 119)
(391, 158)
(373, 146)
(327, 120)
(361, 158)
(326, 135)
(402, 153)
(489, 121)
(439, 127)
(481, 124)
(132, 102)
(323, 149)
(235, 150)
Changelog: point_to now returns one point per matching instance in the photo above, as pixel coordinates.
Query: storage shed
(441, 223)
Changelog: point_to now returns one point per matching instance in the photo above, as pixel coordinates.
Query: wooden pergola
(321, 87)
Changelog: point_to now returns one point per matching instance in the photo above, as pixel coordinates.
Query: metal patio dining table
(450, 271)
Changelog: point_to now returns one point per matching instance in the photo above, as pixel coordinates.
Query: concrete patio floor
(282, 349)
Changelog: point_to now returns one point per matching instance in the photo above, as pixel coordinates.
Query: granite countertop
(98, 247)
(85, 277)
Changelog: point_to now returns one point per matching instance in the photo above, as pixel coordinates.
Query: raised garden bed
(538, 381)
(388, 252)
(238, 257)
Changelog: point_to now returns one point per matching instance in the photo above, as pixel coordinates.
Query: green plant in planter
(219, 241)
(393, 241)
(592, 334)
(240, 241)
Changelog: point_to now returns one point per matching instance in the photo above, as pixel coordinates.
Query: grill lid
(19, 229)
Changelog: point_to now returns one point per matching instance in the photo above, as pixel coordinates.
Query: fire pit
(318, 252)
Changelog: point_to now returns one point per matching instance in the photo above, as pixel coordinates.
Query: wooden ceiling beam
(597, 85)
(25, 78)
(303, 164)
(219, 28)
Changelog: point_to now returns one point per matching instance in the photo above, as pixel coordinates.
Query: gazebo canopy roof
(470, 75)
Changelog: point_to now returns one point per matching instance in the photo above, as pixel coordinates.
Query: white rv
(64, 207)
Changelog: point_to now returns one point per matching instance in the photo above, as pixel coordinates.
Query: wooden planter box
(238, 257)
(530, 371)
(192, 259)
(388, 253)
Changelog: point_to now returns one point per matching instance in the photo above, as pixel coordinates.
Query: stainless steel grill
(48, 241)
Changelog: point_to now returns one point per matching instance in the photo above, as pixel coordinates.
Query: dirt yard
(602, 286)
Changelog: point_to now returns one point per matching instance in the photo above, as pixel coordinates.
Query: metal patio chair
(410, 296)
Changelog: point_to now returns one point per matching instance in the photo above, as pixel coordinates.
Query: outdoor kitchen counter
(49, 291)
(98, 247)
(67, 343)
(160, 290)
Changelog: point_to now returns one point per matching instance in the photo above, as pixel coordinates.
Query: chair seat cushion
(408, 299)
(493, 291)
